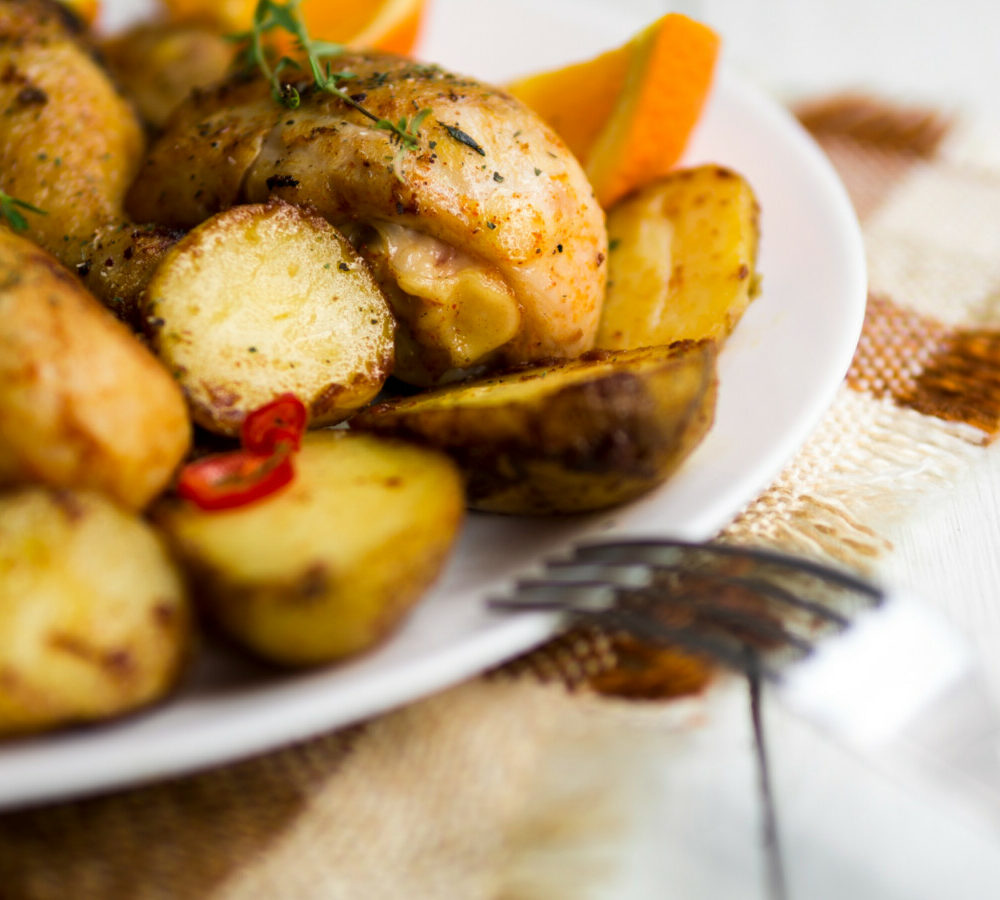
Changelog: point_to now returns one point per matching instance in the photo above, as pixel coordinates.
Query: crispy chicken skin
(486, 236)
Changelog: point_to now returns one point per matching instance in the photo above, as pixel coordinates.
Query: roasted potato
(157, 64)
(329, 565)
(69, 142)
(94, 618)
(569, 437)
(264, 299)
(82, 402)
(117, 263)
(682, 260)
(70, 145)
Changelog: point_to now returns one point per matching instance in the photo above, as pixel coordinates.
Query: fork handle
(954, 743)
(902, 687)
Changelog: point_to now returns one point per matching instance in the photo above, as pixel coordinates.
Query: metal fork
(859, 657)
(881, 672)
(876, 669)
(751, 609)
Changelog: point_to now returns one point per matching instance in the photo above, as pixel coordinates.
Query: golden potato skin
(158, 64)
(118, 262)
(266, 299)
(82, 402)
(94, 617)
(69, 142)
(683, 260)
(330, 564)
(70, 145)
(568, 437)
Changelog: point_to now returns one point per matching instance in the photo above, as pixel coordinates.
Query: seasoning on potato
(683, 259)
(569, 437)
(266, 299)
(82, 402)
(94, 617)
(329, 565)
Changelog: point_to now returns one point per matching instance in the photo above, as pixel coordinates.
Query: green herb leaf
(418, 119)
(270, 14)
(10, 211)
(326, 48)
(463, 138)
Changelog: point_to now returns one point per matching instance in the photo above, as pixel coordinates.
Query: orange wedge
(628, 113)
(86, 10)
(391, 25)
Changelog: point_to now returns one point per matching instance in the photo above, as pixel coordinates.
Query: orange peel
(628, 114)
(86, 10)
(389, 25)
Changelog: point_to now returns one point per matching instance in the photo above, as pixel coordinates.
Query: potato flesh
(569, 437)
(94, 619)
(330, 564)
(266, 299)
(682, 263)
(82, 402)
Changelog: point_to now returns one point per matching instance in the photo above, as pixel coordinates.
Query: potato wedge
(82, 402)
(265, 299)
(570, 437)
(94, 617)
(682, 260)
(329, 565)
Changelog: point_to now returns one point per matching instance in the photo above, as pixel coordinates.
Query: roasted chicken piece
(485, 236)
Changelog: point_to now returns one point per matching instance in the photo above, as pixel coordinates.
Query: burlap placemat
(500, 787)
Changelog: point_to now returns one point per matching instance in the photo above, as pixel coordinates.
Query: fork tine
(600, 602)
(733, 654)
(715, 600)
(662, 553)
(548, 597)
(600, 595)
(635, 574)
(541, 595)
(762, 628)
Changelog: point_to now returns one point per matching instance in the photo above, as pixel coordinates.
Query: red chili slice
(281, 422)
(228, 480)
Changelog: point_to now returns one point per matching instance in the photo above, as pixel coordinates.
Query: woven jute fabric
(499, 788)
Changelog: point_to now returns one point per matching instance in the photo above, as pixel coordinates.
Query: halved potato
(569, 437)
(329, 565)
(266, 299)
(82, 402)
(681, 260)
(94, 618)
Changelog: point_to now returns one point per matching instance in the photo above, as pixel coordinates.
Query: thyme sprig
(10, 211)
(272, 14)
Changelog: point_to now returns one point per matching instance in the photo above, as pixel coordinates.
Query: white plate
(779, 372)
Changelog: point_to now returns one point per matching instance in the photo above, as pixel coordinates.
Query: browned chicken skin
(486, 236)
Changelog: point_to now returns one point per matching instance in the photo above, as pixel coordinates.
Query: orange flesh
(628, 113)
(666, 89)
